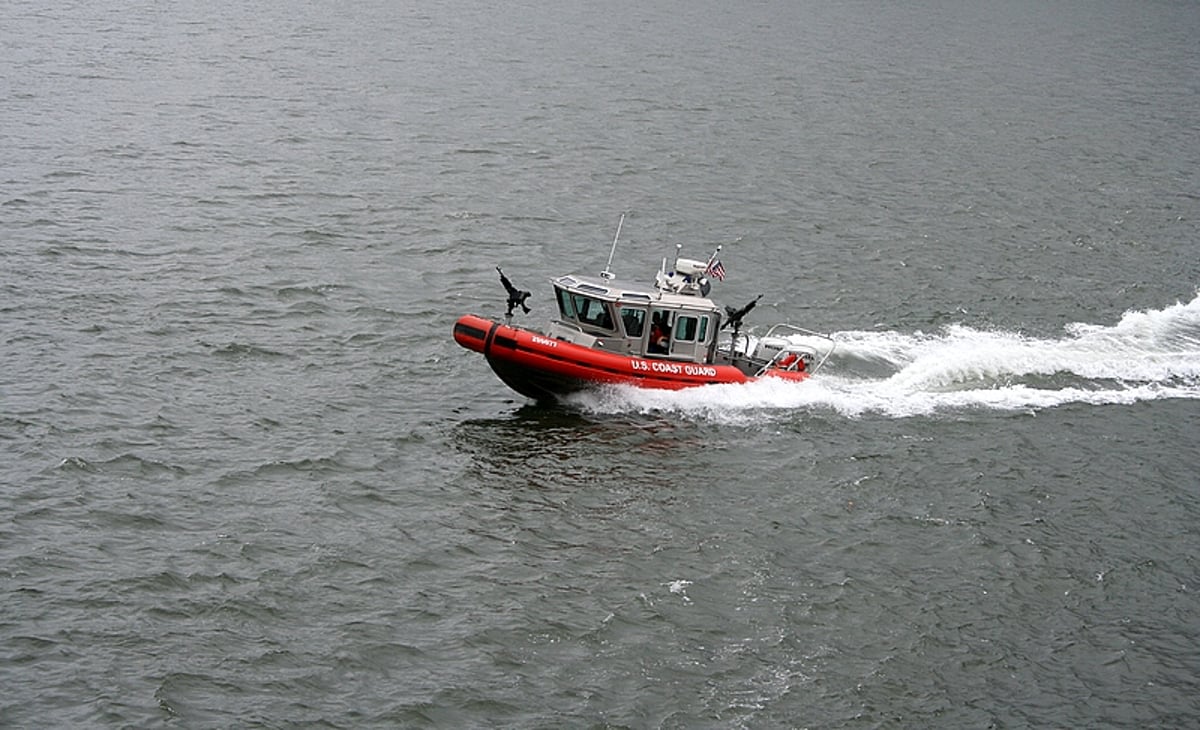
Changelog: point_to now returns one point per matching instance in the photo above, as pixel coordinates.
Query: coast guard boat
(666, 335)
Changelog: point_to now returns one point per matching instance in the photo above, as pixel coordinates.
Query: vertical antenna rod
(606, 274)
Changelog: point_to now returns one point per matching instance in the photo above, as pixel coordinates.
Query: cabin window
(685, 329)
(592, 312)
(703, 335)
(634, 320)
(564, 304)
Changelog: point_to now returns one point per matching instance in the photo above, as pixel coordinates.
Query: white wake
(1147, 355)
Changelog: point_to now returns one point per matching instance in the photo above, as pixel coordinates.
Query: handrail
(805, 331)
(800, 330)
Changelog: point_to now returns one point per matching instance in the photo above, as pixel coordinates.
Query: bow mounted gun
(516, 297)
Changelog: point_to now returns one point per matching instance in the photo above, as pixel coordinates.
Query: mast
(607, 274)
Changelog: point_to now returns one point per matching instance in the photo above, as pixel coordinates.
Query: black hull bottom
(541, 386)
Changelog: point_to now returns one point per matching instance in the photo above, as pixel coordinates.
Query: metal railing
(793, 329)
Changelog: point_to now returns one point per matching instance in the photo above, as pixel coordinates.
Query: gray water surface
(247, 478)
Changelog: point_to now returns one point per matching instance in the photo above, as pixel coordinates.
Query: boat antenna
(607, 274)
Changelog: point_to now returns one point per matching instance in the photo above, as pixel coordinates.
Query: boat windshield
(585, 310)
(565, 308)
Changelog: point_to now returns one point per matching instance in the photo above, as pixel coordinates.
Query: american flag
(715, 270)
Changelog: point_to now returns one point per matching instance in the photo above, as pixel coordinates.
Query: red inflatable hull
(541, 368)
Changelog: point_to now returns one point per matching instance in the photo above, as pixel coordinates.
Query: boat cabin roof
(612, 290)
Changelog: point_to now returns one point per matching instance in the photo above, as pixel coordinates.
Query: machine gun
(516, 297)
(734, 316)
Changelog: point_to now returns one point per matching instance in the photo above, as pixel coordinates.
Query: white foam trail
(1148, 355)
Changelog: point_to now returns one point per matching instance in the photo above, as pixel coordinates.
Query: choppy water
(247, 478)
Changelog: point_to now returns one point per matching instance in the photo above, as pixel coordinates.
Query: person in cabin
(658, 336)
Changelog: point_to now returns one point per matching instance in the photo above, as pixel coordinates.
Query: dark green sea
(247, 479)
